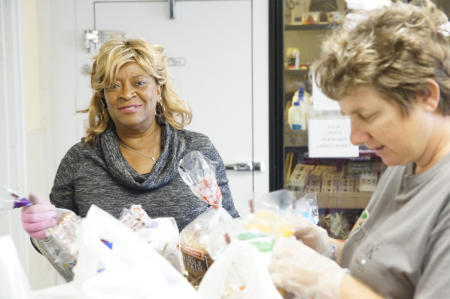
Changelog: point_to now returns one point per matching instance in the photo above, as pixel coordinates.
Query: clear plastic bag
(161, 233)
(274, 210)
(60, 247)
(199, 174)
(276, 215)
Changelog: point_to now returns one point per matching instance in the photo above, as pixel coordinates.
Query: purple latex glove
(36, 219)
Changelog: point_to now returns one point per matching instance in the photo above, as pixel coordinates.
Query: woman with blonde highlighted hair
(115, 54)
(389, 70)
(133, 144)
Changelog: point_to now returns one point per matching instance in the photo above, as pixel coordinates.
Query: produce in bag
(161, 233)
(199, 174)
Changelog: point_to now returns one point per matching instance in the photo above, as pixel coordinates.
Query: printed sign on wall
(329, 137)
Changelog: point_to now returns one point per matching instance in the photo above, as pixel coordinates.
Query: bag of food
(60, 247)
(126, 267)
(199, 174)
(239, 272)
(160, 233)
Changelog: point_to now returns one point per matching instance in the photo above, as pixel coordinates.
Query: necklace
(141, 154)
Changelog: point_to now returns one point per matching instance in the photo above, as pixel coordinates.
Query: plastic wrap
(161, 233)
(199, 174)
(276, 214)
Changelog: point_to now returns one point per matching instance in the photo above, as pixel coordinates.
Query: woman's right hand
(311, 235)
(36, 219)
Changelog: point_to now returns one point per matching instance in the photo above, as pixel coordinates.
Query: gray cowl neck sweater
(173, 150)
(99, 174)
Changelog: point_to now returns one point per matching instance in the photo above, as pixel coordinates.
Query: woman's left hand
(300, 270)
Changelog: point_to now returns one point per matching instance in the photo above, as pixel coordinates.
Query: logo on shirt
(361, 220)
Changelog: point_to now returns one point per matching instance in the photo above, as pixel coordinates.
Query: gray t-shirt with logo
(402, 248)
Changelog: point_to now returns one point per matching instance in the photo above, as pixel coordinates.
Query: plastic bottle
(296, 113)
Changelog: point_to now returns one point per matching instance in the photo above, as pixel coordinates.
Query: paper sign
(330, 138)
(320, 101)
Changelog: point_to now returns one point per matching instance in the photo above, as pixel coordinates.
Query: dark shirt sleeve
(62, 193)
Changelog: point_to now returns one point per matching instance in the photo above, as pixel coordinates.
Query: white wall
(13, 164)
(37, 88)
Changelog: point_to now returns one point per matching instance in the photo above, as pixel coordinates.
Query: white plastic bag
(240, 272)
(160, 233)
(13, 283)
(130, 269)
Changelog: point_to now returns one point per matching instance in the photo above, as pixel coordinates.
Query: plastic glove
(311, 235)
(298, 269)
(36, 219)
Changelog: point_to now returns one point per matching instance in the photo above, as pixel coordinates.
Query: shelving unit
(350, 200)
(296, 72)
(341, 193)
(295, 139)
(343, 186)
(321, 26)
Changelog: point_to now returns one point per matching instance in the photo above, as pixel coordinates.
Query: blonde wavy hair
(112, 56)
(393, 49)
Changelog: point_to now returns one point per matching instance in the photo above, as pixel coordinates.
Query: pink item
(36, 219)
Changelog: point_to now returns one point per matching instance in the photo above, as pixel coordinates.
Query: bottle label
(296, 127)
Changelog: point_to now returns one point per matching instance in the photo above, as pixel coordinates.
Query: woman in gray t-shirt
(389, 70)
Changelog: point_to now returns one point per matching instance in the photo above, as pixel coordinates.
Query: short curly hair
(393, 49)
(112, 56)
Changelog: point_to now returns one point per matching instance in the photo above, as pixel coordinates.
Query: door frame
(276, 94)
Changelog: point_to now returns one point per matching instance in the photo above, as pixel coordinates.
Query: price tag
(330, 138)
